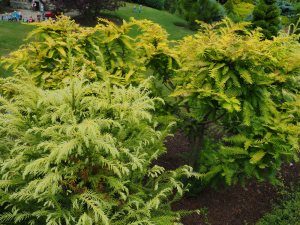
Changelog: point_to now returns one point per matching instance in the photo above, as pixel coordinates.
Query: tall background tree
(203, 10)
(266, 15)
(3, 4)
(88, 7)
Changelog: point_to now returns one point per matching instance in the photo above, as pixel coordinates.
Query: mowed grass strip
(12, 35)
(164, 18)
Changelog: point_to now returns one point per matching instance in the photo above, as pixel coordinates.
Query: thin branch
(212, 121)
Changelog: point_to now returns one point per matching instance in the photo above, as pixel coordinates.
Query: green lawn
(165, 19)
(12, 36)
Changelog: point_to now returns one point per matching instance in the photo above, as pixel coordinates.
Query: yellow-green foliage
(239, 9)
(230, 76)
(225, 76)
(61, 49)
(243, 9)
(78, 134)
(83, 155)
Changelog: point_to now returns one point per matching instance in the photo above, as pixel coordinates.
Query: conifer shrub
(171, 5)
(204, 10)
(83, 154)
(266, 15)
(241, 93)
(157, 4)
(234, 93)
(59, 49)
(239, 10)
(80, 132)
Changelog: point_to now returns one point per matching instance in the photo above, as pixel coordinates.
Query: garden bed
(235, 205)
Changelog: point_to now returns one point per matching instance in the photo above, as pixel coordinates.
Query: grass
(12, 35)
(165, 19)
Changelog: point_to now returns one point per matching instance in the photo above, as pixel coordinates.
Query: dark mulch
(235, 205)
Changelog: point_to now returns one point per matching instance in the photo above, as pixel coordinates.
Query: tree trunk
(197, 145)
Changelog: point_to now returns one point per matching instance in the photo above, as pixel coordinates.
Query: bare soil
(235, 205)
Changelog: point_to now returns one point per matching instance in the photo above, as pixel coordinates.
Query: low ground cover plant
(285, 213)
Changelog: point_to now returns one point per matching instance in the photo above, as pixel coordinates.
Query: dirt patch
(230, 206)
(177, 149)
(235, 205)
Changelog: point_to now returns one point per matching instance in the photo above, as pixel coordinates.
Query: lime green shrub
(59, 50)
(83, 155)
(78, 130)
(235, 94)
(238, 9)
(245, 89)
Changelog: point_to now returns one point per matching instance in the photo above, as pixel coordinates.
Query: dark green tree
(3, 4)
(171, 5)
(266, 15)
(203, 10)
(157, 4)
(90, 8)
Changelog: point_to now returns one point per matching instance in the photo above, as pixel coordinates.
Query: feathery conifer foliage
(78, 135)
(239, 10)
(266, 15)
(83, 155)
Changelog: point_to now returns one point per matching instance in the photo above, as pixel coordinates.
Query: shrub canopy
(78, 132)
(234, 93)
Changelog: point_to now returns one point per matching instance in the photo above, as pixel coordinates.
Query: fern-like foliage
(83, 155)
(59, 49)
(249, 86)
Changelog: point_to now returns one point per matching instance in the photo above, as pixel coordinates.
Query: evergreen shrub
(83, 154)
(242, 93)
(157, 4)
(78, 129)
(204, 10)
(266, 15)
(171, 5)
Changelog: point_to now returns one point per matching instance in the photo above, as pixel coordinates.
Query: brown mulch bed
(235, 205)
